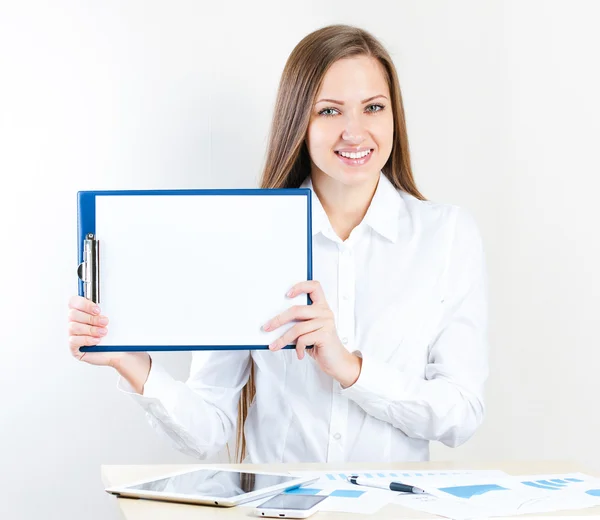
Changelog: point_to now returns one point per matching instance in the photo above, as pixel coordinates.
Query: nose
(354, 131)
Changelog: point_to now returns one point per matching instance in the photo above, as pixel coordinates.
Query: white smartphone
(289, 505)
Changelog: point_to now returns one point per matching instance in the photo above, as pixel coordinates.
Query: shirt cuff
(375, 382)
(159, 385)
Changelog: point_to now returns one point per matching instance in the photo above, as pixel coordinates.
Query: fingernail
(96, 310)
(271, 346)
(102, 332)
(103, 320)
(267, 325)
(290, 292)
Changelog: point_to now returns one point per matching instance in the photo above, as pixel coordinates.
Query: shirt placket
(345, 328)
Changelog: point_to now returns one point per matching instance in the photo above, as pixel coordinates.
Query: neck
(344, 205)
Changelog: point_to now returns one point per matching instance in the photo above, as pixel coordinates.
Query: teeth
(354, 155)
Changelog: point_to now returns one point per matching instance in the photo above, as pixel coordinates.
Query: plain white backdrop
(503, 118)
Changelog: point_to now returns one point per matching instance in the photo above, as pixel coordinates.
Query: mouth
(355, 158)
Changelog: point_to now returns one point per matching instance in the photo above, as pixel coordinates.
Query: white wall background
(502, 106)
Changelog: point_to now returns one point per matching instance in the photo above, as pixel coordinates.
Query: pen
(394, 486)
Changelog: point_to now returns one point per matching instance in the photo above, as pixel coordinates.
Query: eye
(327, 112)
(375, 108)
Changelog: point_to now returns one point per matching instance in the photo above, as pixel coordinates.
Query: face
(351, 129)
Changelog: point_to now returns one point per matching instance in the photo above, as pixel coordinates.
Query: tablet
(213, 486)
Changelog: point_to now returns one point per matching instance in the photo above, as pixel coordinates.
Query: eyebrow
(341, 102)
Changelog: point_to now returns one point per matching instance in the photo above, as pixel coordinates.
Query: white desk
(133, 509)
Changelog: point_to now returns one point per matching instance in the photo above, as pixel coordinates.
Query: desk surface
(133, 509)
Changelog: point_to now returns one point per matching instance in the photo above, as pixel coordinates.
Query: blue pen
(394, 486)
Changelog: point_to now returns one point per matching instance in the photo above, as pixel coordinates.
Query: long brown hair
(288, 162)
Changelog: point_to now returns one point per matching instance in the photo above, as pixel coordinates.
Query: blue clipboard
(101, 214)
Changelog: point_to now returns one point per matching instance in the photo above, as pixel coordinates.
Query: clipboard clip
(89, 270)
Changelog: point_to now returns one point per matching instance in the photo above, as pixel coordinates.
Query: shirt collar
(383, 215)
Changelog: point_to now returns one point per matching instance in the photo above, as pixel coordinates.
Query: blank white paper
(197, 270)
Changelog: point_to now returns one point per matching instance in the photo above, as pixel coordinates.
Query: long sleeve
(447, 403)
(198, 416)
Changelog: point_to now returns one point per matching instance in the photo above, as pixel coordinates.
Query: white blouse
(408, 290)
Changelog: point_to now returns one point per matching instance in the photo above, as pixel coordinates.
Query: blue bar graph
(346, 493)
(303, 491)
(539, 484)
(471, 491)
(342, 493)
(551, 483)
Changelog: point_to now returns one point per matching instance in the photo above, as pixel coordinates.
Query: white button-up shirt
(408, 292)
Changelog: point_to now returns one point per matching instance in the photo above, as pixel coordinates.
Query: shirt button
(345, 340)
(337, 436)
(346, 297)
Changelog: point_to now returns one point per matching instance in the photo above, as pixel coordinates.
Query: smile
(354, 158)
(355, 155)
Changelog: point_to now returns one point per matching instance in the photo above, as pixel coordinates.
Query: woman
(399, 312)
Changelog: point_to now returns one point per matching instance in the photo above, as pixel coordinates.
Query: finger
(312, 287)
(81, 329)
(301, 346)
(296, 312)
(305, 341)
(83, 304)
(88, 319)
(81, 341)
(304, 327)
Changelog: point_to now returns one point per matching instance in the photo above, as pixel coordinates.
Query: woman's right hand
(87, 327)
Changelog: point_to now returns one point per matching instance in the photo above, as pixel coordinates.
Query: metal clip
(89, 270)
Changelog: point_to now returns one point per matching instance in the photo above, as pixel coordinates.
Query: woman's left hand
(316, 327)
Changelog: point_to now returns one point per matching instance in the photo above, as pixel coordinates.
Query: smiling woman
(398, 318)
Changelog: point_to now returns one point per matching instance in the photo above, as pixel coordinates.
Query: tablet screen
(213, 483)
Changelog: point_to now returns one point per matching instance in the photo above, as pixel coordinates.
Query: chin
(354, 176)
